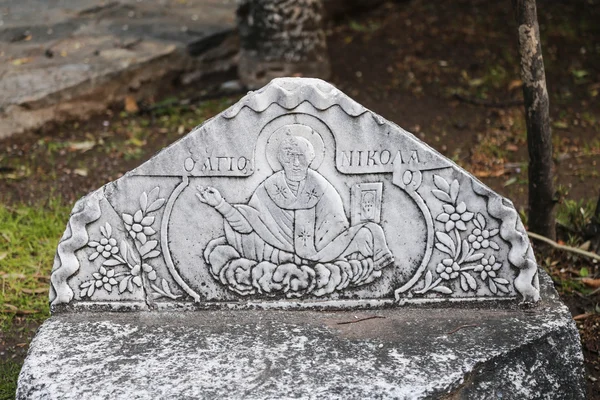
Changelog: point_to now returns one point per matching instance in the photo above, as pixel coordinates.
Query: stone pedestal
(281, 38)
(404, 353)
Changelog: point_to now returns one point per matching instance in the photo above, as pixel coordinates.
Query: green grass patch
(28, 239)
(9, 372)
(575, 214)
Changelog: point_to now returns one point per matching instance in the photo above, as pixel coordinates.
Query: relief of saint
(293, 235)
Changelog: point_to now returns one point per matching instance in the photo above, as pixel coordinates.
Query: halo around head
(299, 130)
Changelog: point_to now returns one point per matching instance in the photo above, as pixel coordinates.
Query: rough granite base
(404, 353)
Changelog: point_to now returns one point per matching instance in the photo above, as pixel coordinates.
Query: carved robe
(282, 223)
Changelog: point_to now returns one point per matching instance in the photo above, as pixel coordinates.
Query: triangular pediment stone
(296, 196)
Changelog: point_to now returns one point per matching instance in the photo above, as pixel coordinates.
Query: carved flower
(448, 269)
(102, 278)
(107, 245)
(480, 238)
(488, 267)
(139, 226)
(136, 272)
(455, 217)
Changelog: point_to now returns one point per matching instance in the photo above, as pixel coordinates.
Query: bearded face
(295, 155)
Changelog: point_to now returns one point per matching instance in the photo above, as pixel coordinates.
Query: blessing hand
(209, 195)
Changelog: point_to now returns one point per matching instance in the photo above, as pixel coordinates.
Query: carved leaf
(144, 201)
(501, 281)
(442, 289)
(446, 241)
(103, 231)
(127, 218)
(493, 287)
(444, 249)
(130, 285)
(152, 254)
(502, 288)
(465, 247)
(454, 190)
(477, 224)
(481, 220)
(428, 279)
(124, 249)
(147, 247)
(153, 194)
(494, 245)
(108, 229)
(441, 183)
(93, 256)
(86, 284)
(156, 205)
(463, 283)
(474, 257)
(165, 286)
(470, 280)
(137, 280)
(90, 290)
(123, 284)
(133, 256)
(443, 196)
(111, 262)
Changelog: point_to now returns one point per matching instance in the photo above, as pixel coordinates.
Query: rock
(73, 60)
(407, 352)
(281, 38)
(299, 198)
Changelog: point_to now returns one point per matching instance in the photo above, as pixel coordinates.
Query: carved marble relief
(295, 193)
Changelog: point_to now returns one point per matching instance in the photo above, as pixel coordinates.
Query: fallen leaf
(3, 255)
(80, 171)
(21, 61)
(560, 125)
(82, 146)
(510, 181)
(35, 291)
(515, 84)
(585, 246)
(476, 82)
(581, 316)
(131, 105)
(595, 283)
(512, 147)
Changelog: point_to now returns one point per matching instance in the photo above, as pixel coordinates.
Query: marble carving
(296, 196)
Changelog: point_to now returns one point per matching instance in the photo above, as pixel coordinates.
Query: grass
(28, 239)
(575, 214)
(9, 372)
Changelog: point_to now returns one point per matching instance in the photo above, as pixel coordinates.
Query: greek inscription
(369, 158)
(225, 164)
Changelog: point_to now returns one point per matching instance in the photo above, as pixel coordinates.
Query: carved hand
(209, 195)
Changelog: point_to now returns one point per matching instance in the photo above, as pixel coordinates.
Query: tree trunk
(281, 38)
(539, 135)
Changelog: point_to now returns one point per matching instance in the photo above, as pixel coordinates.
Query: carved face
(368, 205)
(295, 155)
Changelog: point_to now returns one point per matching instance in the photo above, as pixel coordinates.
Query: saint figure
(295, 216)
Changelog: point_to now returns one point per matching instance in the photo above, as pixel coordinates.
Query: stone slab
(406, 353)
(71, 58)
(296, 196)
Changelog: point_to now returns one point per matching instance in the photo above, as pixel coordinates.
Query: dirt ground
(446, 71)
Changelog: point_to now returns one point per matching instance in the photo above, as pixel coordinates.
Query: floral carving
(466, 260)
(125, 266)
